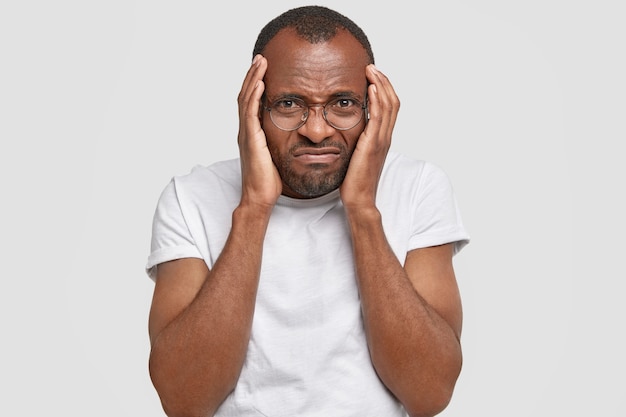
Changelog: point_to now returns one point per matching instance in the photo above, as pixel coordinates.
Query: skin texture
(200, 320)
(313, 73)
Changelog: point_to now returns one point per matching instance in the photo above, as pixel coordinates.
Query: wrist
(362, 215)
(251, 217)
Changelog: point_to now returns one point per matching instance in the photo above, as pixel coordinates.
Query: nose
(316, 129)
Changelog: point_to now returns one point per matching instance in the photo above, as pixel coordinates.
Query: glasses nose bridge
(310, 106)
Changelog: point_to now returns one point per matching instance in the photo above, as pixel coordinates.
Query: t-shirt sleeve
(171, 238)
(437, 219)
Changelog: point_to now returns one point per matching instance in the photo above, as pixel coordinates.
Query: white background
(521, 102)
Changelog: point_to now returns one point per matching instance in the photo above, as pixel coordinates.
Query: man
(313, 275)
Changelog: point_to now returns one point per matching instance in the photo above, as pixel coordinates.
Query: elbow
(177, 408)
(173, 404)
(429, 407)
(179, 398)
(435, 396)
(176, 412)
(181, 405)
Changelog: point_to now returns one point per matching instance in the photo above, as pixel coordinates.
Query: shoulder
(220, 181)
(418, 196)
(228, 171)
(403, 171)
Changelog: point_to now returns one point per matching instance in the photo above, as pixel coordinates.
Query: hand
(261, 183)
(359, 187)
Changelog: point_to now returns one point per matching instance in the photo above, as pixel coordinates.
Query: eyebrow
(338, 94)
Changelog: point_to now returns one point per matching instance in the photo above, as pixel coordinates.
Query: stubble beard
(315, 182)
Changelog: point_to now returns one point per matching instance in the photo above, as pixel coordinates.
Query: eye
(344, 103)
(288, 105)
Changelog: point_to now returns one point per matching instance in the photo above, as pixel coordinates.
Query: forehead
(295, 66)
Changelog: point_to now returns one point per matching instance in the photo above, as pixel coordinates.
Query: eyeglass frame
(268, 107)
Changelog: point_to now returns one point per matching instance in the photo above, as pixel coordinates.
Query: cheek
(278, 141)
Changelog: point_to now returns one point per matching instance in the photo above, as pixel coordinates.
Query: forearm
(414, 350)
(196, 360)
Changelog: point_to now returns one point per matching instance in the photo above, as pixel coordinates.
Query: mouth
(324, 155)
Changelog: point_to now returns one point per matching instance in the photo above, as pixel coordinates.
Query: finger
(251, 74)
(379, 116)
(384, 87)
(385, 94)
(249, 100)
(249, 94)
(383, 102)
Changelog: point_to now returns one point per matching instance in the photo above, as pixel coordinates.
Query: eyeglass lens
(341, 113)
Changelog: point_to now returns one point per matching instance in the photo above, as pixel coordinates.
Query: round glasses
(292, 113)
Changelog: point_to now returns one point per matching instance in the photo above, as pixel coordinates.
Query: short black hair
(313, 23)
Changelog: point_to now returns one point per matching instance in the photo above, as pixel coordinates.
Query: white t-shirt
(307, 354)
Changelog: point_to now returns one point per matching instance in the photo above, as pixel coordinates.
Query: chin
(313, 185)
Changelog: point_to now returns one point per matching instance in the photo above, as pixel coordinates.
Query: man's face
(313, 159)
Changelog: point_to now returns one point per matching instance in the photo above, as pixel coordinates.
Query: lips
(324, 155)
(316, 151)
